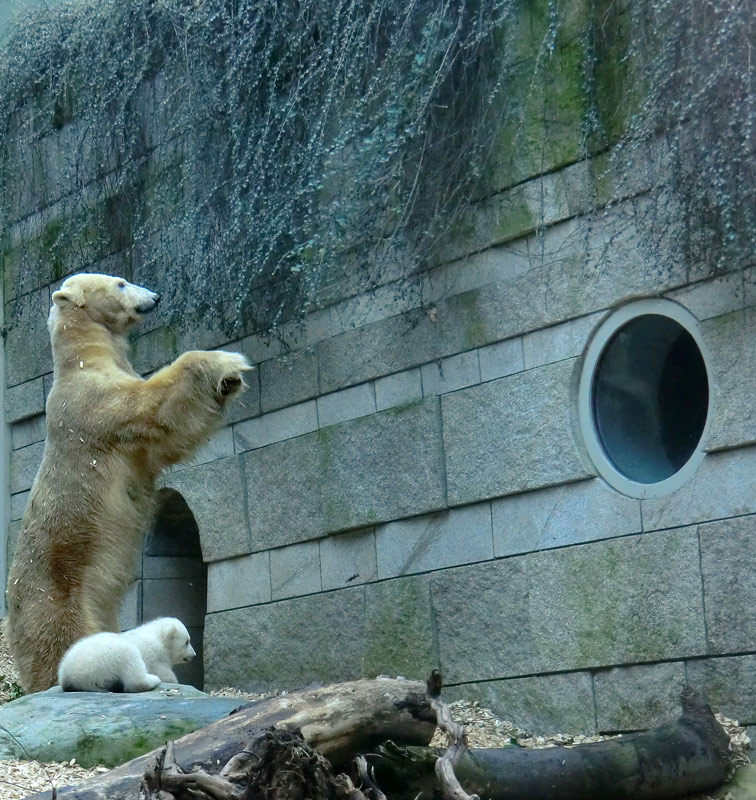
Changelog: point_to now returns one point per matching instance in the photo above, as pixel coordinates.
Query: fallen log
(339, 721)
(687, 756)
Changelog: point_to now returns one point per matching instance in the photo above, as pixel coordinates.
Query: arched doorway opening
(172, 578)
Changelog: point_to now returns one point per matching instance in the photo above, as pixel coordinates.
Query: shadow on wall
(173, 580)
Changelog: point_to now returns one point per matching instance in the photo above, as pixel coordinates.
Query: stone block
(174, 597)
(27, 344)
(728, 684)
(348, 559)
(346, 476)
(288, 379)
(558, 342)
(276, 426)
(723, 486)
(130, 614)
(216, 494)
(14, 529)
(288, 644)
(435, 541)
(399, 629)
(627, 600)
(562, 515)
(238, 582)
(295, 570)
(398, 389)
(511, 435)
(449, 374)
(729, 341)
(560, 703)
(357, 401)
(18, 504)
(154, 349)
(24, 464)
(639, 697)
(24, 400)
(713, 298)
(28, 431)
(501, 358)
(729, 582)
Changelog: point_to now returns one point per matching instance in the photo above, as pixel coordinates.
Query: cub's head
(176, 640)
(110, 301)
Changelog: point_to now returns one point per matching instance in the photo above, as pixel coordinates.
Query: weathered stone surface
(24, 400)
(288, 379)
(154, 349)
(398, 389)
(104, 728)
(445, 539)
(216, 494)
(174, 597)
(18, 504)
(714, 297)
(723, 486)
(562, 515)
(247, 404)
(172, 567)
(348, 559)
(558, 341)
(27, 345)
(238, 582)
(511, 435)
(729, 685)
(627, 600)
(449, 374)
(295, 570)
(345, 476)
(276, 426)
(14, 529)
(500, 359)
(572, 274)
(639, 697)
(219, 445)
(542, 703)
(287, 644)
(729, 340)
(24, 465)
(357, 401)
(28, 431)
(399, 629)
(729, 581)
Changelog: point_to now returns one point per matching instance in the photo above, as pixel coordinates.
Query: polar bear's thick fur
(135, 661)
(109, 435)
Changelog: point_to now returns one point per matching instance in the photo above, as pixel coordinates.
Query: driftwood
(684, 757)
(339, 721)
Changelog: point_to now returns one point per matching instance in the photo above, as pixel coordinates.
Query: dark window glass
(650, 398)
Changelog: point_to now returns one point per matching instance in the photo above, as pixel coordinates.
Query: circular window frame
(600, 339)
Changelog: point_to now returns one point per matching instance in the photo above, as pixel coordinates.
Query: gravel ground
(19, 779)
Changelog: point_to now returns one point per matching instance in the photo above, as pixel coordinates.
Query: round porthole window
(644, 397)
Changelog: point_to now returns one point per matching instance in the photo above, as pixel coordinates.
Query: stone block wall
(404, 486)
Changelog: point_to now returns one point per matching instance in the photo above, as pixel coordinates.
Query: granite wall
(405, 485)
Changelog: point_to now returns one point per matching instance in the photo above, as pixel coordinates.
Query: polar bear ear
(65, 298)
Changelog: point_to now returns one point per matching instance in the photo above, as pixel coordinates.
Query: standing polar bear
(109, 435)
(135, 661)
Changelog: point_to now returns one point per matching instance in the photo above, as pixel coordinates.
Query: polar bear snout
(190, 653)
(147, 303)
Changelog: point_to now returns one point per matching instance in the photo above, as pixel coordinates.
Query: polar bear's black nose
(156, 298)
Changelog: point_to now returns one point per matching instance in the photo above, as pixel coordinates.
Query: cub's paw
(231, 369)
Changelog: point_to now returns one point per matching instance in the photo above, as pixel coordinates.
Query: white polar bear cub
(135, 661)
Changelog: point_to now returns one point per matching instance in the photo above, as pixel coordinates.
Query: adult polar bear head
(109, 301)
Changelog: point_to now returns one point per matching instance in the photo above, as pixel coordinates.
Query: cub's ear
(65, 298)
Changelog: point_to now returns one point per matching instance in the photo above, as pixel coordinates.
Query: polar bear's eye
(121, 284)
